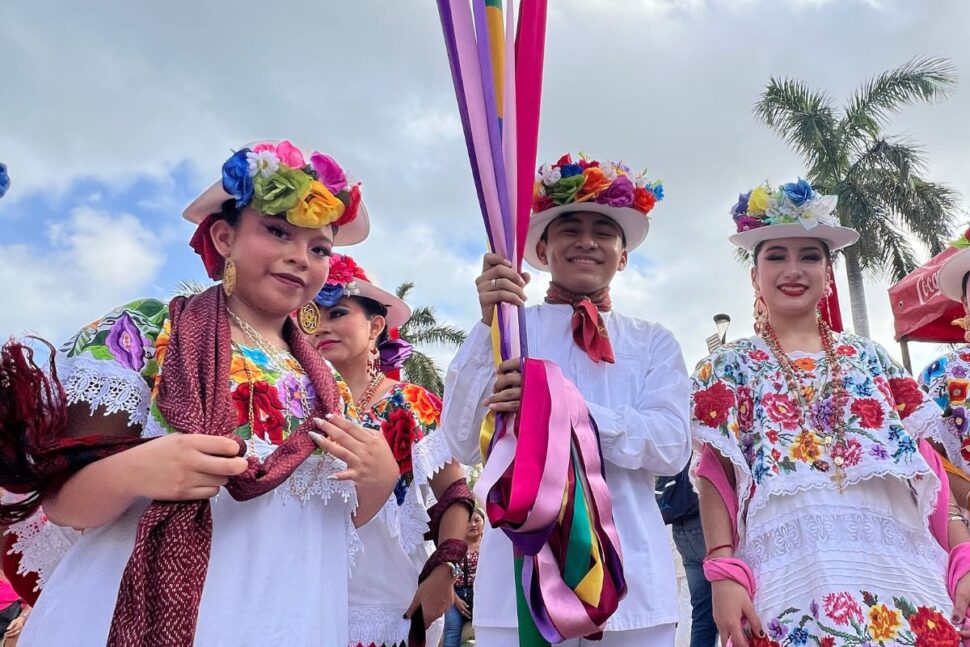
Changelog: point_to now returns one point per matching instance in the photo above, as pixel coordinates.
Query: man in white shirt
(630, 372)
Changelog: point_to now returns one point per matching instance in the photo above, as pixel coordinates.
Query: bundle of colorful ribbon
(543, 479)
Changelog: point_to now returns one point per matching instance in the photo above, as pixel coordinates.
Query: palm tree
(420, 330)
(190, 288)
(878, 179)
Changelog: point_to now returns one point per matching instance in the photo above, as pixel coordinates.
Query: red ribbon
(589, 329)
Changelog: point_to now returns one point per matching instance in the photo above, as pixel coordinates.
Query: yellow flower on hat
(758, 201)
(317, 208)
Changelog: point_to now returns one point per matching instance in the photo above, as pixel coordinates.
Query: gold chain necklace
(277, 357)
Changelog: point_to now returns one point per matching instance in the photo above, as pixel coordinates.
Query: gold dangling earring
(308, 318)
(229, 277)
(760, 314)
(374, 366)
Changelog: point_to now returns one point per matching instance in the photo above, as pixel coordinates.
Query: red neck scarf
(589, 329)
(158, 601)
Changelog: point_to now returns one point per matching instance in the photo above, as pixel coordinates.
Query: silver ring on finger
(494, 284)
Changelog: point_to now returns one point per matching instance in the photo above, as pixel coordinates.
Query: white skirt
(277, 572)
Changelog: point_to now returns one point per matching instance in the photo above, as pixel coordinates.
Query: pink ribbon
(711, 469)
(730, 568)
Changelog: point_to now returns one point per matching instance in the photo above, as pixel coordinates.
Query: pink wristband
(730, 568)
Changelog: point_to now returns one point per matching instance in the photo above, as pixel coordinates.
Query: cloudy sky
(116, 115)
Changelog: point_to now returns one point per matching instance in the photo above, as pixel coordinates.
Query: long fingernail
(317, 421)
(328, 416)
(315, 436)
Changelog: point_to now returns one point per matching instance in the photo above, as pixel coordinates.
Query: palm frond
(921, 79)
(404, 290)
(804, 118)
(898, 258)
(420, 369)
(189, 288)
(440, 335)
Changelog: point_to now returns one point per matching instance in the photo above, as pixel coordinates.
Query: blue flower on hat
(330, 295)
(798, 192)
(570, 170)
(658, 190)
(236, 180)
(4, 179)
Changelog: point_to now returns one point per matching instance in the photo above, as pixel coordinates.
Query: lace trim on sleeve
(41, 545)
(102, 383)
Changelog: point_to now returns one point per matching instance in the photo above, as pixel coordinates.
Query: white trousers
(660, 636)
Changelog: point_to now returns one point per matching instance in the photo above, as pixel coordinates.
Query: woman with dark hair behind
(353, 334)
(458, 616)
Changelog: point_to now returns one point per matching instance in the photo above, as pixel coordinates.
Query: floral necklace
(835, 441)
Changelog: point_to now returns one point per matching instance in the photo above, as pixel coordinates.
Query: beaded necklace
(370, 392)
(835, 442)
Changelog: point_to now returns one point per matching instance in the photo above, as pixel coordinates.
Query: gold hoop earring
(229, 277)
(308, 318)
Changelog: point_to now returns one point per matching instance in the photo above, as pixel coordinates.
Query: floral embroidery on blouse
(844, 619)
(741, 394)
(947, 381)
(405, 415)
(135, 337)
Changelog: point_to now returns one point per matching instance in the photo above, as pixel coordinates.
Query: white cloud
(121, 89)
(94, 262)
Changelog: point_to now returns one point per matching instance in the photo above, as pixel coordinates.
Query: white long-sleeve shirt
(641, 407)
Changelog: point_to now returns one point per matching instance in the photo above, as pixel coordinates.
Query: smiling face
(279, 266)
(791, 274)
(347, 332)
(584, 250)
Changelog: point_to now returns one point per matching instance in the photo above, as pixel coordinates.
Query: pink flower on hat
(289, 154)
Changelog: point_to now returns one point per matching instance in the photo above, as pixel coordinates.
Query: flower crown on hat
(341, 282)
(586, 180)
(275, 178)
(792, 203)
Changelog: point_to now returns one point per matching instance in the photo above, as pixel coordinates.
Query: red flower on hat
(564, 160)
(352, 205)
(541, 203)
(643, 200)
(343, 270)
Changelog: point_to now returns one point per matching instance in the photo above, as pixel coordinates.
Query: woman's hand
(183, 467)
(434, 595)
(370, 463)
(961, 600)
(462, 607)
(732, 606)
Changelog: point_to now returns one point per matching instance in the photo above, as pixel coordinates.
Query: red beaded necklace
(836, 440)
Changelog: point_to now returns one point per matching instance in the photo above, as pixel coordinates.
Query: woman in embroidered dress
(947, 379)
(211, 391)
(353, 335)
(815, 485)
